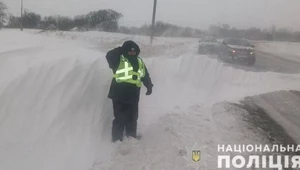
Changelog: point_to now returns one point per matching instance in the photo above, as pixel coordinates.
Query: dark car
(207, 45)
(234, 49)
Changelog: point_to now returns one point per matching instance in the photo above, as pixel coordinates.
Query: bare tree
(106, 20)
(13, 22)
(3, 14)
(31, 19)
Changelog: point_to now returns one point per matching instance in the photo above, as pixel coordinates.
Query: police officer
(130, 73)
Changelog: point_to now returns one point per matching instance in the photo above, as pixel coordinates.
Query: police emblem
(196, 155)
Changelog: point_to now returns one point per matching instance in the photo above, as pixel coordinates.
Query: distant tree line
(108, 20)
(218, 31)
(103, 20)
(271, 34)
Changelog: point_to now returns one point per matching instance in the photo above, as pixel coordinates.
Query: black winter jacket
(124, 91)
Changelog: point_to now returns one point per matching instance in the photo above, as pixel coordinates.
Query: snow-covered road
(54, 113)
(287, 50)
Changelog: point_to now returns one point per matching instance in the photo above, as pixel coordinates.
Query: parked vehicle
(235, 49)
(208, 45)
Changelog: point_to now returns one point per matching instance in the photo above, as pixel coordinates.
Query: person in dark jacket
(129, 73)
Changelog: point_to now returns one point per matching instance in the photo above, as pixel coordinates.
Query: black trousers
(126, 116)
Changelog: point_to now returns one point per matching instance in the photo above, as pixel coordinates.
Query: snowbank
(52, 103)
(54, 113)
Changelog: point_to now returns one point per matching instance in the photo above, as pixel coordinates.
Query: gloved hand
(149, 91)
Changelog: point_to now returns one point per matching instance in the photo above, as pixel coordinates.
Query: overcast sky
(193, 13)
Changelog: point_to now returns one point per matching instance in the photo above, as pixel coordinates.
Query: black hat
(130, 46)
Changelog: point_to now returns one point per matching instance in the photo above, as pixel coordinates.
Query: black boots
(126, 115)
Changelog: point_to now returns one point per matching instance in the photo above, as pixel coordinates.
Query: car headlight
(252, 52)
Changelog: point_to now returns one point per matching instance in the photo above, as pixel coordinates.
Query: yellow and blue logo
(196, 155)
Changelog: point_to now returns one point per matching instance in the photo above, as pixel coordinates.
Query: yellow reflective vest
(125, 72)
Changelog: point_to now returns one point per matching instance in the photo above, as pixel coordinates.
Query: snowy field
(55, 114)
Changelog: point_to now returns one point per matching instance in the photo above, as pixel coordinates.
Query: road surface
(275, 63)
(269, 62)
(277, 114)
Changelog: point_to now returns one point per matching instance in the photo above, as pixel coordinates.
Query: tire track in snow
(276, 116)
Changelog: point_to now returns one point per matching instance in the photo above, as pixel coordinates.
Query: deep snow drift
(54, 113)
